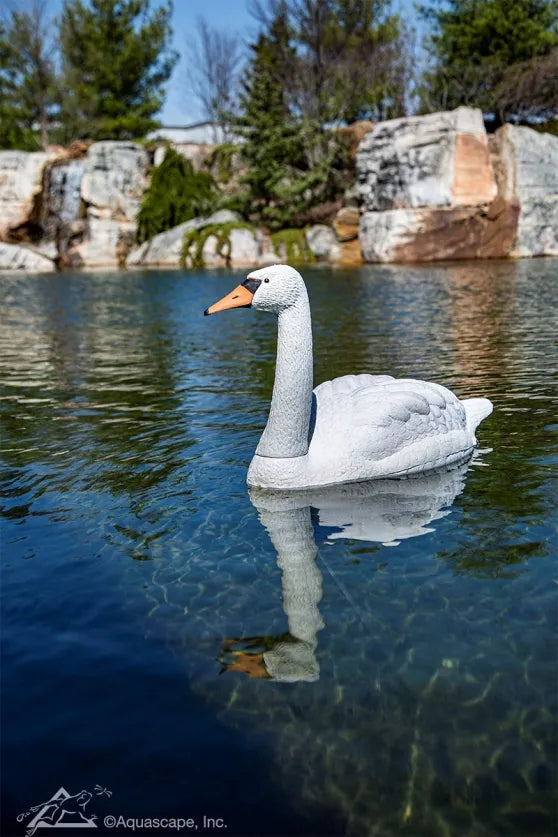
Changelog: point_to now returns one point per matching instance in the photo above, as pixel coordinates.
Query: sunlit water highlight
(374, 663)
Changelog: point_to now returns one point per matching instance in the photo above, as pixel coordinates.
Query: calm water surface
(379, 662)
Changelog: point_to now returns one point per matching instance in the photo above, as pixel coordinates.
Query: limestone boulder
(323, 243)
(16, 257)
(165, 249)
(243, 248)
(113, 183)
(212, 254)
(21, 181)
(268, 256)
(526, 167)
(246, 247)
(419, 235)
(433, 187)
(106, 243)
(437, 160)
(115, 177)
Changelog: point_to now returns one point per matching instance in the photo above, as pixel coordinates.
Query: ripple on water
(429, 704)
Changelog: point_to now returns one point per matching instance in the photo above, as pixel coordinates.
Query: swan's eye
(266, 279)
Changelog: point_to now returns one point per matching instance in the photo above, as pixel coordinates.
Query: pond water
(378, 661)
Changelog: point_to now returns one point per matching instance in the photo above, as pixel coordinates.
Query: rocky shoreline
(428, 188)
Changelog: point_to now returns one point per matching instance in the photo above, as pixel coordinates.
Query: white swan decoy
(354, 428)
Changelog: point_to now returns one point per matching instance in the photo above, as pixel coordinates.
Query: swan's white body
(358, 427)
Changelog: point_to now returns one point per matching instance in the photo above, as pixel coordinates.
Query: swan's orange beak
(240, 297)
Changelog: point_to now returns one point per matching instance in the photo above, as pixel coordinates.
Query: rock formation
(165, 249)
(428, 187)
(433, 187)
(61, 220)
(526, 169)
(114, 181)
(346, 227)
(21, 186)
(323, 243)
(78, 211)
(15, 257)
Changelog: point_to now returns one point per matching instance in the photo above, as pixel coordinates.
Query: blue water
(378, 663)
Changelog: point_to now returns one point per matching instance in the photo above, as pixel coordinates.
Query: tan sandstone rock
(347, 223)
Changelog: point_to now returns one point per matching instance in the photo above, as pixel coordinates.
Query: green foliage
(290, 245)
(272, 149)
(194, 240)
(27, 80)
(549, 127)
(115, 62)
(282, 180)
(220, 160)
(12, 119)
(315, 64)
(493, 54)
(176, 194)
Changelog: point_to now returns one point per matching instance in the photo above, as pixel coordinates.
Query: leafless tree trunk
(215, 61)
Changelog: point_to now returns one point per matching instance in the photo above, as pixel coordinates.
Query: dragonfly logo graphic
(63, 810)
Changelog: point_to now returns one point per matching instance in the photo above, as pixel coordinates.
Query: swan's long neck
(286, 432)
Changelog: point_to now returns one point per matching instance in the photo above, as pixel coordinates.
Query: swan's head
(273, 288)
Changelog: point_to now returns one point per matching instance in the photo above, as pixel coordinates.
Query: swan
(350, 429)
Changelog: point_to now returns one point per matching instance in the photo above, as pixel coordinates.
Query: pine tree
(273, 148)
(115, 62)
(27, 80)
(316, 64)
(176, 194)
(487, 53)
(12, 133)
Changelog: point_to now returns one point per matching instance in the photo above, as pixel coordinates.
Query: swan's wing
(349, 384)
(380, 415)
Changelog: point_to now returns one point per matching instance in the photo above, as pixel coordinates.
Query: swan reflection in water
(381, 511)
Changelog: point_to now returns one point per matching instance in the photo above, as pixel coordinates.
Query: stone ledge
(422, 235)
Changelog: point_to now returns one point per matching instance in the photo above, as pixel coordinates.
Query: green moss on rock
(292, 242)
(220, 162)
(194, 241)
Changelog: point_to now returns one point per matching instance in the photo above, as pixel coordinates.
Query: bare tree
(352, 58)
(215, 61)
(529, 90)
